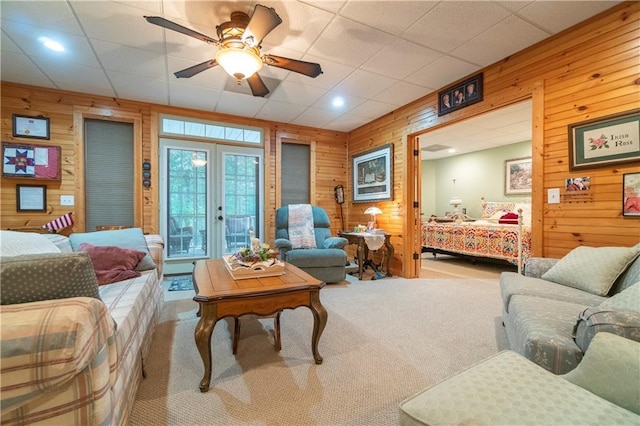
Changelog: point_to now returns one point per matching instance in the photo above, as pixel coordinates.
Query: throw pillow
(490, 208)
(131, 238)
(113, 264)
(592, 269)
(626, 300)
(18, 243)
(509, 218)
(35, 277)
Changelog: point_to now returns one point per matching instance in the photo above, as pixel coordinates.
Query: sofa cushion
(18, 243)
(542, 330)
(626, 300)
(512, 283)
(629, 277)
(61, 241)
(611, 370)
(592, 269)
(131, 238)
(35, 277)
(113, 264)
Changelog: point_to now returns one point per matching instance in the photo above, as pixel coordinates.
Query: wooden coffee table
(219, 296)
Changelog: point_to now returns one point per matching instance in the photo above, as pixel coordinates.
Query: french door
(211, 199)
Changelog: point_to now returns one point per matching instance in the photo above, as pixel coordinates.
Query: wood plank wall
(591, 70)
(60, 106)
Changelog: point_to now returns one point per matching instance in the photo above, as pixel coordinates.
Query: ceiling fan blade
(191, 71)
(165, 23)
(310, 69)
(257, 86)
(263, 21)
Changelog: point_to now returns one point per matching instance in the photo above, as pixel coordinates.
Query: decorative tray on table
(240, 269)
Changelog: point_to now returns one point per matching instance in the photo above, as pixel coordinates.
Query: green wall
(477, 174)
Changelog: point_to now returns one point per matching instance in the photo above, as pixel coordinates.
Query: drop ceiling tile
(59, 71)
(77, 49)
(301, 25)
(9, 46)
(332, 73)
(19, 68)
(144, 89)
(56, 16)
(555, 16)
(205, 14)
(116, 57)
(182, 95)
(376, 14)
(363, 84)
(400, 59)
(451, 23)
(442, 72)
(279, 111)
(328, 5)
(346, 122)
(316, 117)
(79, 87)
(372, 109)
(213, 78)
(349, 42)
(492, 45)
(237, 104)
(514, 6)
(326, 102)
(295, 93)
(402, 93)
(122, 24)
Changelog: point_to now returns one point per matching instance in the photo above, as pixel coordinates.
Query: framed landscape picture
(518, 176)
(373, 175)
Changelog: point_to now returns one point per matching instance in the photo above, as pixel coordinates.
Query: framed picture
(30, 127)
(461, 95)
(517, 176)
(373, 175)
(31, 198)
(631, 194)
(613, 139)
(577, 183)
(25, 161)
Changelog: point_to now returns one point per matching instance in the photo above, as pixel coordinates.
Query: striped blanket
(301, 231)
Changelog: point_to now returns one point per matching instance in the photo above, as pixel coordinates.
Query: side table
(359, 239)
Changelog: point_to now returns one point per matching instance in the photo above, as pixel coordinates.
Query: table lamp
(455, 202)
(373, 211)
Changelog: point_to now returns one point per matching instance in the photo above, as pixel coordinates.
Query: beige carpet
(385, 340)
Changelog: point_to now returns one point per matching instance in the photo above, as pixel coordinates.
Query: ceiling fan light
(241, 63)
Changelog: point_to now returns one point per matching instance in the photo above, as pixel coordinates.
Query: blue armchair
(327, 261)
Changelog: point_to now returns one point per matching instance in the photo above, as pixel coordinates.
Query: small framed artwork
(25, 161)
(517, 176)
(613, 139)
(373, 175)
(461, 95)
(31, 198)
(631, 194)
(577, 184)
(30, 127)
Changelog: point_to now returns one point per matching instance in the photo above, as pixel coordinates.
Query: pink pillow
(111, 263)
(509, 218)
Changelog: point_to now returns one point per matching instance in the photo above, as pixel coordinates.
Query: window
(210, 130)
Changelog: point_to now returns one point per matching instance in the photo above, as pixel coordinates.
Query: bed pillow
(490, 208)
(131, 238)
(113, 264)
(592, 269)
(36, 277)
(14, 243)
(509, 218)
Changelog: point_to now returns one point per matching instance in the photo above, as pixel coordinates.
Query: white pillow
(592, 269)
(18, 243)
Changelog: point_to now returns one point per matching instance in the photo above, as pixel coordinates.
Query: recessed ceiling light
(338, 102)
(451, 150)
(51, 44)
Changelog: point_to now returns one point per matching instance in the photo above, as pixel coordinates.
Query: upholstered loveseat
(552, 312)
(73, 350)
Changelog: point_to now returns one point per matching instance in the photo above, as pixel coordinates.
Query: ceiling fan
(239, 42)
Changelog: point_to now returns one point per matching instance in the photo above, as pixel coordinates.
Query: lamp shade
(239, 62)
(455, 201)
(373, 210)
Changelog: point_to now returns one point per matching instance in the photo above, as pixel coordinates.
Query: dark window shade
(108, 173)
(295, 184)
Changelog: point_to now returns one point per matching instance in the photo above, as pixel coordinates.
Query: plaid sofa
(79, 360)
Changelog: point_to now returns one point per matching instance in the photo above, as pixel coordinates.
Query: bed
(485, 237)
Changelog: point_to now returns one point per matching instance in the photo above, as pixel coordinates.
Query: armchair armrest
(47, 343)
(335, 242)
(282, 245)
(537, 266)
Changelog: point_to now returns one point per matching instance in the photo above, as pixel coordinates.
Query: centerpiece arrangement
(258, 260)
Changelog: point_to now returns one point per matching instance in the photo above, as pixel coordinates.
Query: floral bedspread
(490, 240)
